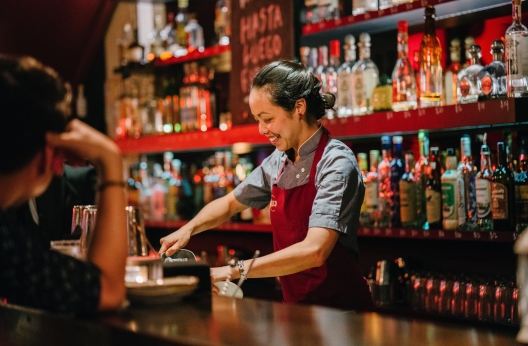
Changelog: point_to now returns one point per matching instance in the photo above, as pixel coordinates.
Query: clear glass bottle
(344, 102)
(503, 193)
(182, 18)
(194, 31)
(467, 80)
(468, 42)
(521, 188)
(305, 55)
(467, 171)
(403, 80)
(168, 34)
(313, 60)
(322, 64)
(433, 191)
(311, 11)
(451, 73)
(222, 23)
(365, 76)
(372, 188)
(155, 39)
(517, 54)
(421, 175)
(483, 187)
(452, 188)
(362, 6)
(331, 73)
(384, 183)
(397, 168)
(408, 194)
(492, 78)
(430, 63)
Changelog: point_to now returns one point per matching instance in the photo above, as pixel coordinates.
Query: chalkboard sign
(262, 32)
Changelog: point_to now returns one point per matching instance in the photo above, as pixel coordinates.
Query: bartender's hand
(222, 273)
(175, 241)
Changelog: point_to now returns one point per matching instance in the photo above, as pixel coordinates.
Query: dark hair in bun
(288, 81)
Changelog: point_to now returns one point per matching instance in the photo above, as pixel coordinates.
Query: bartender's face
(282, 128)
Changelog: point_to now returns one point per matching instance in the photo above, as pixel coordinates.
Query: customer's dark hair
(288, 81)
(33, 101)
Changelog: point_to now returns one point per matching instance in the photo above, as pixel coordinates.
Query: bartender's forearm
(309, 253)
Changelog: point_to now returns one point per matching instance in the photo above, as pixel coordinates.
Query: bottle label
(483, 198)
(407, 201)
(344, 96)
(499, 201)
(359, 89)
(460, 200)
(450, 91)
(371, 196)
(472, 198)
(521, 202)
(517, 57)
(448, 201)
(465, 87)
(433, 206)
(486, 84)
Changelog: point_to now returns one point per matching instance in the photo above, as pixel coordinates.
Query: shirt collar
(308, 146)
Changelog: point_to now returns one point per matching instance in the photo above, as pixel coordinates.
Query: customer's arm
(108, 249)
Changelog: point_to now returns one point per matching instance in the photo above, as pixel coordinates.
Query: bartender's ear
(300, 106)
(52, 159)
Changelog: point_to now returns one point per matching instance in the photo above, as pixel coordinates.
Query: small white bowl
(230, 291)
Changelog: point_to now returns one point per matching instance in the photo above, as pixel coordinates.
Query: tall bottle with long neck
(408, 194)
(451, 73)
(433, 191)
(365, 76)
(451, 193)
(503, 193)
(403, 80)
(517, 54)
(331, 73)
(421, 176)
(483, 186)
(430, 63)
(344, 102)
(467, 172)
(384, 183)
(397, 168)
(322, 65)
(372, 189)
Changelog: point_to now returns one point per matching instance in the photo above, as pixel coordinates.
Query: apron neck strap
(325, 137)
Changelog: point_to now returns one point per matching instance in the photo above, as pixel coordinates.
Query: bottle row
(177, 35)
(458, 194)
(360, 89)
(175, 190)
(474, 297)
(187, 105)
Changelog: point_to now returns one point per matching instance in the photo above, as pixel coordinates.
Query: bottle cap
(434, 150)
(350, 40)
(385, 140)
(365, 38)
(450, 151)
(497, 46)
(397, 139)
(335, 48)
(430, 10)
(403, 26)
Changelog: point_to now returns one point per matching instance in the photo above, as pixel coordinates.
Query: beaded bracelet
(240, 265)
(105, 184)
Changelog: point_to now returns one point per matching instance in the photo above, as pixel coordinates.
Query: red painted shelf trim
(370, 15)
(194, 55)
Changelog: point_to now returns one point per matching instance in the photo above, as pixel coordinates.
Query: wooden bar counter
(238, 322)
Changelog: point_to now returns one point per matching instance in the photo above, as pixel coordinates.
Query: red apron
(338, 282)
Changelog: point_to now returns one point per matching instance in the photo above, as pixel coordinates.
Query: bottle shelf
(383, 20)
(486, 114)
(492, 236)
(194, 55)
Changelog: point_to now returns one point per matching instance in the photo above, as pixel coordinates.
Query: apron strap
(325, 138)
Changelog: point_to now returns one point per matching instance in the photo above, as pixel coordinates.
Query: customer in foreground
(35, 136)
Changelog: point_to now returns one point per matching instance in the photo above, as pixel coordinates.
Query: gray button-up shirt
(340, 189)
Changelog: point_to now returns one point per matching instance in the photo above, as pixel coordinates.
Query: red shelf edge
(194, 55)
(310, 29)
(228, 226)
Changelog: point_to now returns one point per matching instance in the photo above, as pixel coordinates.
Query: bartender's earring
(300, 115)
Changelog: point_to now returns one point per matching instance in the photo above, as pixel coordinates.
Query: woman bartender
(315, 191)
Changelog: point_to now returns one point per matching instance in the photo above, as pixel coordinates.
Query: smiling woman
(315, 190)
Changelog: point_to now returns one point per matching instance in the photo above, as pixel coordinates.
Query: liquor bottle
(157, 199)
(381, 98)
(403, 81)
(155, 39)
(123, 42)
(222, 23)
(383, 4)
(344, 102)
(467, 80)
(313, 60)
(467, 172)
(171, 187)
(365, 76)
(517, 54)
(322, 64)
(135, 51)
(331, 73)
(305, 55)
(433, 191)
(503, 193)
(452, 193)
(372, 189)
(194, 32)
(311, 11)
(397, 168)
(182, 19)
(328, 9)
(384, 183)
(408, 194)
(421, 176)
(362, 6)
(451, 74)
(80, 102)
(492, 78)
(364, 217)
(521, 188)
(430, 63)
(468, 42)
(483, 186)
(168, 37)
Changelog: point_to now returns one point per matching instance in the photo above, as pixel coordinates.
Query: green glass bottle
(503, 193)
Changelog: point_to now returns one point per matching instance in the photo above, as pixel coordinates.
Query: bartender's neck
(20, 186)
(308, 132)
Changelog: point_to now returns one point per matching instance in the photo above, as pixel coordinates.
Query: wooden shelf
(481, 114)
(194, 55)
(387, 19)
